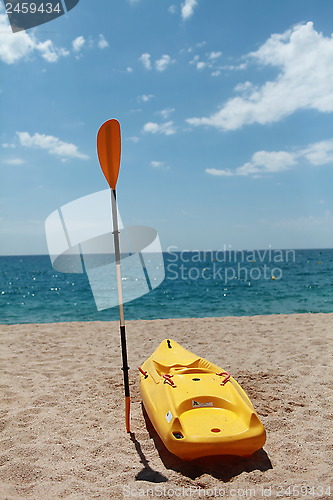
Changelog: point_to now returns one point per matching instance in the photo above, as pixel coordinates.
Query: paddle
(109, 149)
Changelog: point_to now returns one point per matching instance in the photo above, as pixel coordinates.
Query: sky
(225, 109)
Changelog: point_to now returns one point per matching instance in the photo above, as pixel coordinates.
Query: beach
(62, 414)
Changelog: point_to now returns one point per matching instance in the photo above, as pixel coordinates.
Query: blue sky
(226, 114)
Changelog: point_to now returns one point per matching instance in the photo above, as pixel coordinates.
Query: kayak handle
(145, 374)
(226, 378)
(167, 380)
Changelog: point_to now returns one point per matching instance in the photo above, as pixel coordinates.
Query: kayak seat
(170, 370)
(199, 365)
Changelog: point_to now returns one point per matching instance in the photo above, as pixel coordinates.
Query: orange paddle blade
(109, 149)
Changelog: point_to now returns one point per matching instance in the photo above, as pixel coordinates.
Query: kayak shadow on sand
(221, 467)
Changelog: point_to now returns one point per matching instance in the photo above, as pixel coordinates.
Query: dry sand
(62, 412)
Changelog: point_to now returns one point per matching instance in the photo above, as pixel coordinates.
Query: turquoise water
(197, 284)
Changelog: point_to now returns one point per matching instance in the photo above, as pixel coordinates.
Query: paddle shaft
(121, 307)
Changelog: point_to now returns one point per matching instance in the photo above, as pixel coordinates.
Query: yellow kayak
(197, 408)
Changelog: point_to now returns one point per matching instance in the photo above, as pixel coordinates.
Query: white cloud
(268, 162)
(102, 42)
(188, 8)
(78, 43)
(201, 65)
(214, 55)
(145, 60)
(166, 128)
(214, 171)
(165, 113)
(13, 161)
(319, 153)
(14, 48)
(195, 59)
(145, 97)
(305, 81)
(52, 144)
(210, 62)
(49, 52)
(129, 69)
(172, 9)
(246, 88)
(21, 45)
(163, 63)
(235, 67)
(161, 165)
(187, 50)
(160, 64)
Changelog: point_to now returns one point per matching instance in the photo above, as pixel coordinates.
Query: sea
(196, 284)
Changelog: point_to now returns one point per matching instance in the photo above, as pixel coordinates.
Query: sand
(62, 412)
